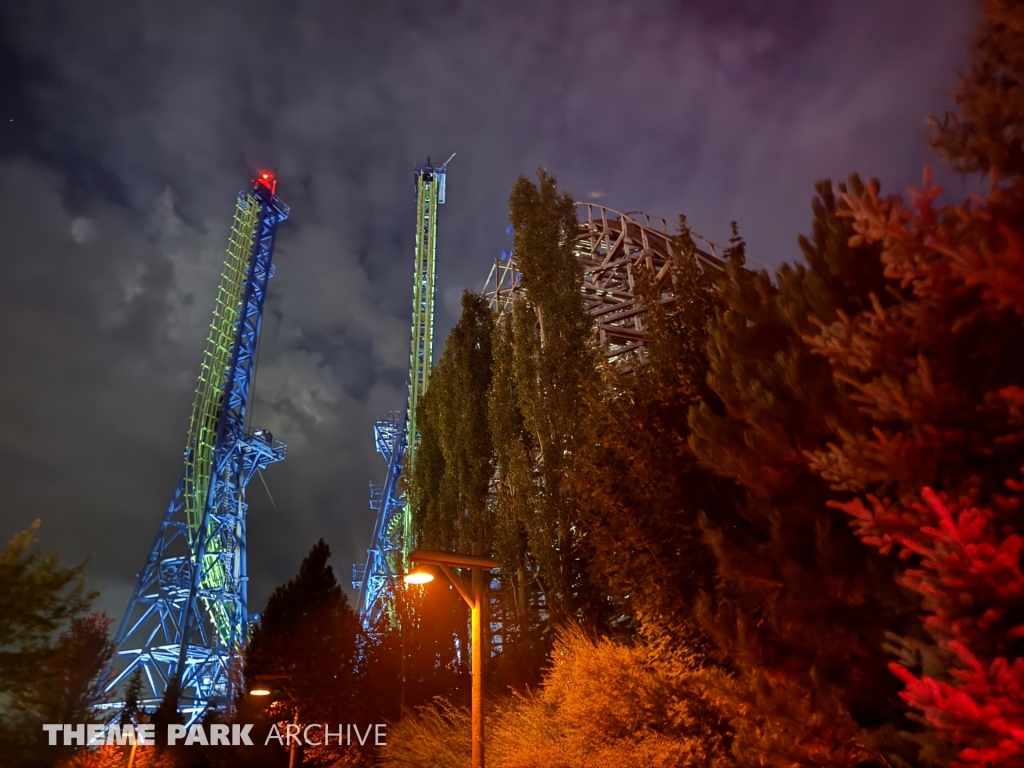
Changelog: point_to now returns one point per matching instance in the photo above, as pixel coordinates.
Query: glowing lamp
(260, 691)
(418, 577)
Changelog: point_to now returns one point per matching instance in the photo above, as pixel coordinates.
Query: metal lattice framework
(384, 558)
(187, 616)
(611, 245)
(395, 435)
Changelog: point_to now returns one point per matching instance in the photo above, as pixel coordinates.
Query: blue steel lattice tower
(187, 617)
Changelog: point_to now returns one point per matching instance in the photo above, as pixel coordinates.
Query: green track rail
(212, 385)
(423, 289)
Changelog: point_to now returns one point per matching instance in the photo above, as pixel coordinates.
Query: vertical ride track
(396, 435)
(187, 616)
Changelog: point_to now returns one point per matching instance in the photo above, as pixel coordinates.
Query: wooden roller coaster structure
(611, 247)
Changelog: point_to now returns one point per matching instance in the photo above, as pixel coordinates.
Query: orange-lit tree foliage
(967, 569)
(938, 374)
(601, 705)
(801, 609)
(640, 488)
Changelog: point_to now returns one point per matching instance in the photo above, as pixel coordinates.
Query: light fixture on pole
(263, 687)
(476, 597)
(418, 577)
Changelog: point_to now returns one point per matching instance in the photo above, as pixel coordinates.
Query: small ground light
(418, 577)
(259, 692)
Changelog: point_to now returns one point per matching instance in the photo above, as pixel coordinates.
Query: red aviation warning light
(267, 179)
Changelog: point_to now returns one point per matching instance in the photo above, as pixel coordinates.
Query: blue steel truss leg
(187, 617)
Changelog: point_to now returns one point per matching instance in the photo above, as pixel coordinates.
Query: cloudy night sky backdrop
(127, 129)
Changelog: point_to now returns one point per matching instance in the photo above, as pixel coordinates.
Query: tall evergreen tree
(525, 625)
(73, 681)
(939, 375)
(802, 610)
(986, 133)
(130, 710)
(167, 714)
(37, 596)
(42, 676)
(306, 646)
(936, 374)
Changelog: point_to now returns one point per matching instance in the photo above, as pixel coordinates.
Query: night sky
(127, 129)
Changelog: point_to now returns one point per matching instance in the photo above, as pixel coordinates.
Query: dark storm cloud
(135, 124)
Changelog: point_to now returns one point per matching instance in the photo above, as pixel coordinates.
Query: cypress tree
(450, 483)
(514, 491)
(545, 364)
(434, 520)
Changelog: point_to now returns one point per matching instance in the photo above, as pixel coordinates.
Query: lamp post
(475, 596)
(262, 688)
(142, 718)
